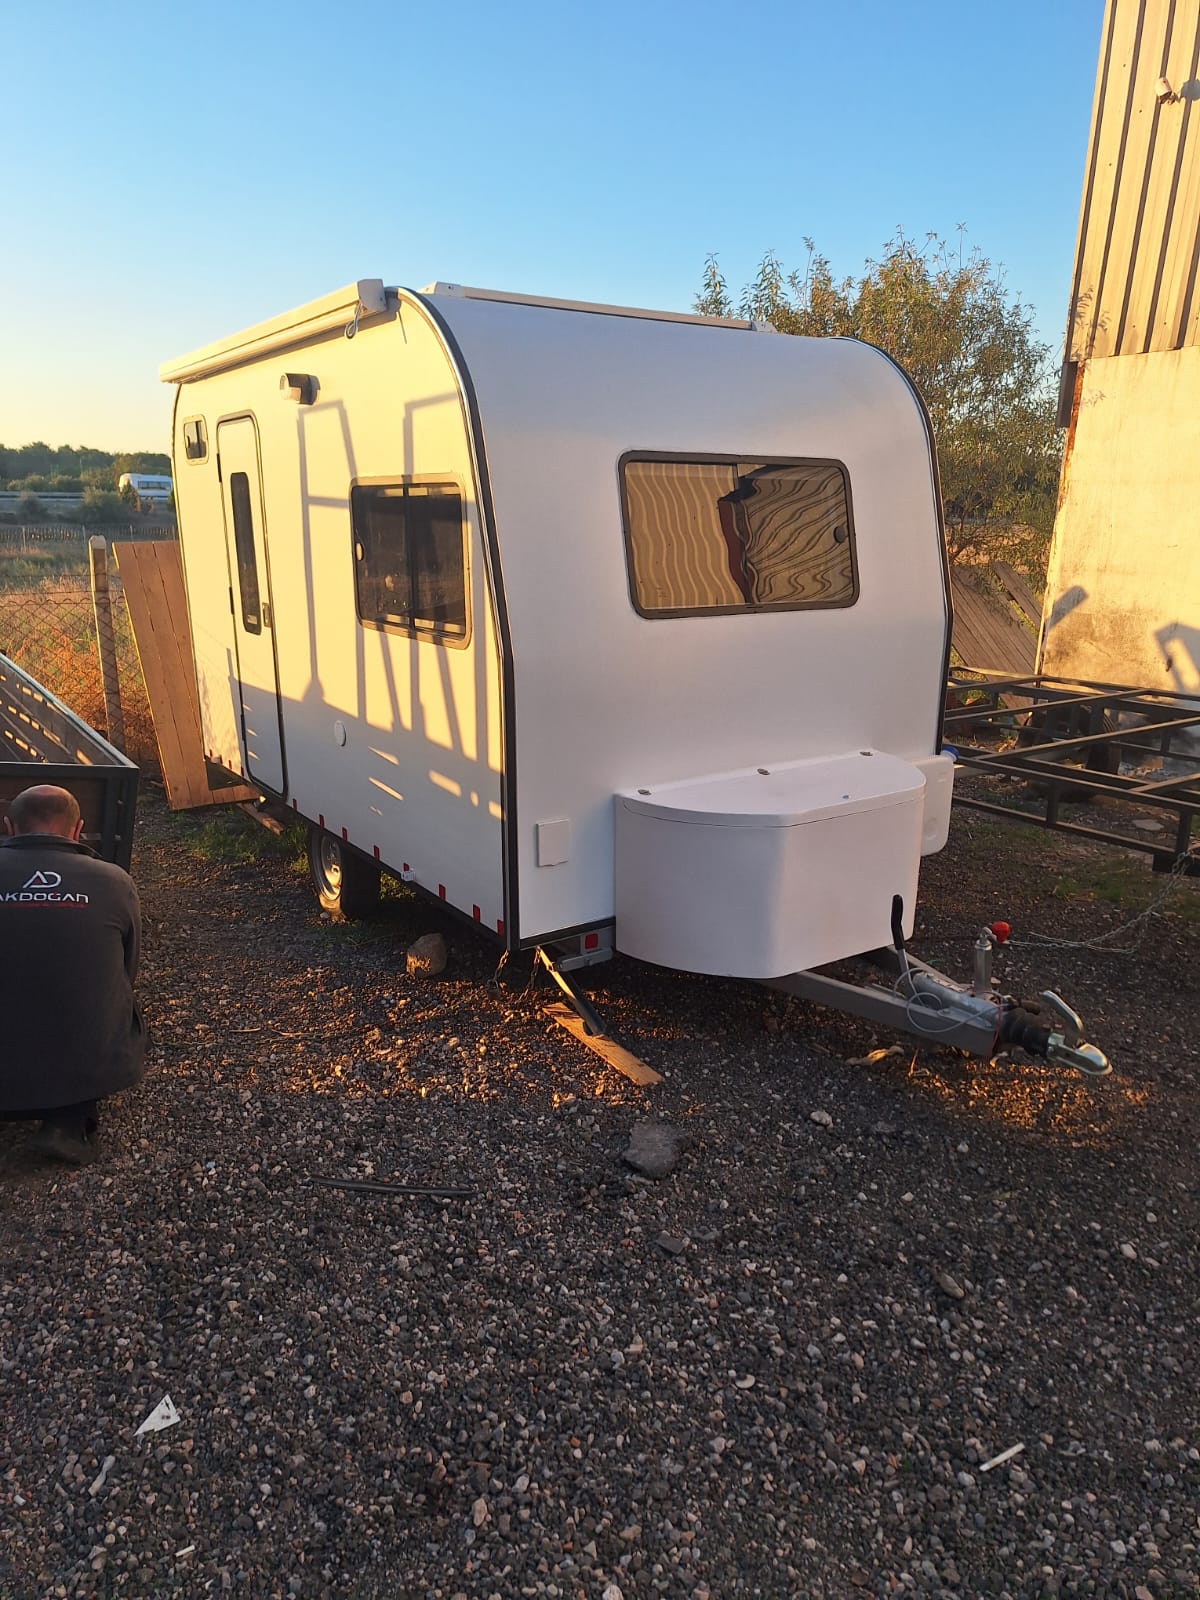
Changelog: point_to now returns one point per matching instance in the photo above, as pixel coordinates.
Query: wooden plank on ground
(617, 1057)
(152, 581)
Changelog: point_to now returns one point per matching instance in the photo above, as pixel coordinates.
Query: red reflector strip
(345, 835)
(591, 941)
(475, 912)
(499, 924)
(295, 805)
(441, 891)
(406, 867)
(321, 820)
(376, 849)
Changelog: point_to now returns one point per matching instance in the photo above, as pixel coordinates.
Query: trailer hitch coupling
(1066, 1046)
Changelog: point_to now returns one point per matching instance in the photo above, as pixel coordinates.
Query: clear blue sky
(176, 172)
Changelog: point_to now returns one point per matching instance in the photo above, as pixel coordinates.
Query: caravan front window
(409, 558)
(716, 534)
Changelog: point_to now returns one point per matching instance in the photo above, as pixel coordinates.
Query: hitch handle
(898, 937)
(898, 922)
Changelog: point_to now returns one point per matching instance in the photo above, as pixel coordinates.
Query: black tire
(1047, 723)
(346, 883)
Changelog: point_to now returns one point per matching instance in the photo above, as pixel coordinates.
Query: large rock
(427, 955)
(654, 1148)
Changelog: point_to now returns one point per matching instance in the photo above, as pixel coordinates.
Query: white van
(147, 485)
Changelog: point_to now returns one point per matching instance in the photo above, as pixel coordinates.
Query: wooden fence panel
(1019, 592)
(152, 578)
(986, 634)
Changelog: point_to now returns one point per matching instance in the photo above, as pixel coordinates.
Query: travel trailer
(607, 628)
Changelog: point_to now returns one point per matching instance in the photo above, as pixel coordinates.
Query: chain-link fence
(49, 630)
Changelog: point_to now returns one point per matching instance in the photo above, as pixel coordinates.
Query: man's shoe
(73, 1142)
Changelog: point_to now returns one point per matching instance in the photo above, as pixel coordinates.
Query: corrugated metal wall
(1135, 287)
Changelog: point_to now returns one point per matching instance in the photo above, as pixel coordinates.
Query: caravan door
(250, 597)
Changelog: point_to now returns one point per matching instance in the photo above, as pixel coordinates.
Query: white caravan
(604, 627)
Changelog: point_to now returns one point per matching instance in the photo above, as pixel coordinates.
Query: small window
(409, 558)
(195, 439)
(243, 539)
(720, 535)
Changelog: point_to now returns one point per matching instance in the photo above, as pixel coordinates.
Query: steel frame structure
(1070, 739)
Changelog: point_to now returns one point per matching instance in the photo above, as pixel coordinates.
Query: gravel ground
(779, 1371)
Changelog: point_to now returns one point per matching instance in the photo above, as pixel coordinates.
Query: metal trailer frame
(43, 741)
(1071, 738)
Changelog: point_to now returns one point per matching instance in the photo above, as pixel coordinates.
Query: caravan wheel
(346, 884)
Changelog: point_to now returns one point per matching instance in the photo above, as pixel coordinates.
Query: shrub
(101, 505)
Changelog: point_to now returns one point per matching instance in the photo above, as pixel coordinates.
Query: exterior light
(299, 386)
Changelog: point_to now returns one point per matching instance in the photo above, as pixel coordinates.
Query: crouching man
(70, 931)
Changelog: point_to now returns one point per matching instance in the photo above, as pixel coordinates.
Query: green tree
(969, 348)
(139, 461)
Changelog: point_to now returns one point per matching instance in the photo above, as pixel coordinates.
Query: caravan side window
(715, 534)
(243, 540)
(410, 569)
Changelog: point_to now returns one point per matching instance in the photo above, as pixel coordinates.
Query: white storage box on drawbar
(765, 871)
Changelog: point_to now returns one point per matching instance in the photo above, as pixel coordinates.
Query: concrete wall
(1123, 589)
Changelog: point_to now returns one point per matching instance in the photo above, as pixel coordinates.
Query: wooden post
(102, 603)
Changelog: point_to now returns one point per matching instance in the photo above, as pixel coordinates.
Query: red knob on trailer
(1002, 931)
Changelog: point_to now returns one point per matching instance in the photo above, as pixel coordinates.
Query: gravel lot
(779, 1371)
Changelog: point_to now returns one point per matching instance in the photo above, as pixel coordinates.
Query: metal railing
(28, 535)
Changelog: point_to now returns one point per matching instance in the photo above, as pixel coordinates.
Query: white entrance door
(253, 615)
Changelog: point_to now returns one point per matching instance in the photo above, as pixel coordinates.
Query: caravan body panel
(608, 700)
(392, 740)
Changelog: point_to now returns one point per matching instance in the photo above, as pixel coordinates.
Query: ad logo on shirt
(43, 889)
(44, 880)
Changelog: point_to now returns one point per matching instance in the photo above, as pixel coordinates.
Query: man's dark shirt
(70, 933)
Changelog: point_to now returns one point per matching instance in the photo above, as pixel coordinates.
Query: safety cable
(1102, 943)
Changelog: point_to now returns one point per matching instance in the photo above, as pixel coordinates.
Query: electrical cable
(922, 1000)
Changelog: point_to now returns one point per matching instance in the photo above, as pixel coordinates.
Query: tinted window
(409, 561)
(737, 535)
(243, 539)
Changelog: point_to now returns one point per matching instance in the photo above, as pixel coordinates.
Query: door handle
(266, 614)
